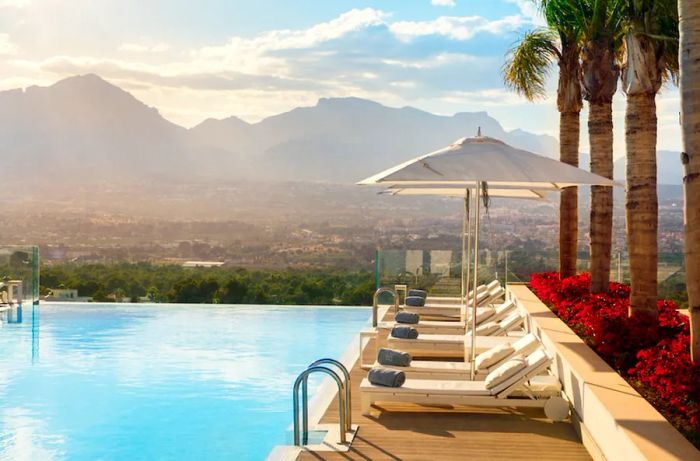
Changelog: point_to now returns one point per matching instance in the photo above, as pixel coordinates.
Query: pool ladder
(375, 302)
(344, 399)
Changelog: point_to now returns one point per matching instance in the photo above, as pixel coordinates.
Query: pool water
(159, 382)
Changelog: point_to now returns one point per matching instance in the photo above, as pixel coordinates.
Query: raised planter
(613, 420)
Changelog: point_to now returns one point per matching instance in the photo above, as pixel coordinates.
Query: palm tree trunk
(689, 11)
(642, 202)
(600, 132)
(569, 131)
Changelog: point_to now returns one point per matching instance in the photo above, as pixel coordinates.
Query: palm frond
(657, 20)
(528, 63)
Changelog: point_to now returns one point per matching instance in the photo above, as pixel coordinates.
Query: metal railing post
(348, 393)
(375, 302)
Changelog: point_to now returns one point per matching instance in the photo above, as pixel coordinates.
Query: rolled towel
(414, 301)
(391, 357)
(407, 317)
(402, 332)
(420, 293)
(385, 377)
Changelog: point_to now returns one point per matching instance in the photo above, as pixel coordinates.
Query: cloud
(176, 75)
(456, 27)
(442, 2)
(144, 48)
(530, 11)
(7, 48)
(438, 60)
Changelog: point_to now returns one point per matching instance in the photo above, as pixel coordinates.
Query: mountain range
(84, 128)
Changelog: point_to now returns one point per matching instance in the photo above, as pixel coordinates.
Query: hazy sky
(254, 58)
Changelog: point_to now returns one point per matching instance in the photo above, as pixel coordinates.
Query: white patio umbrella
(481, 162)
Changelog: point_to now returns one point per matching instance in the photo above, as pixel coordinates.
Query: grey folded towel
(421, 293)
(407, 317)
(404, 332)
(414, 301)
(393, 357)
(386, 377)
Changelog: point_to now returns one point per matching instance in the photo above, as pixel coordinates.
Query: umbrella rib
(429, 168)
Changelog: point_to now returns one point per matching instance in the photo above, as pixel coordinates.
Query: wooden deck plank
(434, 433)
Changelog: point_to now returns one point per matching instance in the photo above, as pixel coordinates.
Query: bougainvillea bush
(653, 356)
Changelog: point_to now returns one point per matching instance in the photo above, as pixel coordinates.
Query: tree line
(176, 284)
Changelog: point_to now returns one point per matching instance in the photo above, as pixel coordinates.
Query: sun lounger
(486, 362)
(497, 390)
(440, 345)
(458, 311)
(456, 299)
(483, 314)
(482, 297)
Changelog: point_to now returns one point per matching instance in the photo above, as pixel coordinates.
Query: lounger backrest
(493, 284)
(527, 344)
(480, 296)
(537, 362)
(479, 289)
(502, 310)
(522, 347)
(492, 295)
(511, 322)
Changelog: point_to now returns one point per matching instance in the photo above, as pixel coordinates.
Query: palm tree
(601, 22)
(651, 56)
(690, 112)
(525, 71)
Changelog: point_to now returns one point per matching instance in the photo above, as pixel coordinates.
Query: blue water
(158, 382)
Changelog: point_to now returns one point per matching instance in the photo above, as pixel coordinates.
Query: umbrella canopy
(472, 160)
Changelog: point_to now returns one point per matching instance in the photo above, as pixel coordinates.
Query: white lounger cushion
(431, 386)
(487, 329)
(435, 366)
(482, 315)
(493, 356)
(502, 310)
(510, 322)
(505, 371)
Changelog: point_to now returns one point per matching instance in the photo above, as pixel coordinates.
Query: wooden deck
(431, 434)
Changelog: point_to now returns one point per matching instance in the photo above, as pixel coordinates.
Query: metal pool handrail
(348, 396)
(305, 410)
(375, 302)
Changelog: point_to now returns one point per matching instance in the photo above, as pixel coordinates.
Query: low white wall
(615, 422)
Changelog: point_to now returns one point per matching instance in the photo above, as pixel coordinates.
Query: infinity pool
(158, 382)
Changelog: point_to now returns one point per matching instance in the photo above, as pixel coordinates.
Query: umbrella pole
(463, 255)
(505, 280)
(476, 280)
(468, 209)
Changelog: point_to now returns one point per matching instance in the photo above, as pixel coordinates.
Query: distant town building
(66, 295)
(202, 264)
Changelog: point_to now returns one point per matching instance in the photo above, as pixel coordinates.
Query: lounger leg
(366, 403)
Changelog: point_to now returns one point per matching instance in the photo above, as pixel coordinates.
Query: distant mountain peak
(84, 81)
(229, 121)
(350, 101)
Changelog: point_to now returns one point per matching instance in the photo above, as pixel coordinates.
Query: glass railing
(19, 275)
(440, 271)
